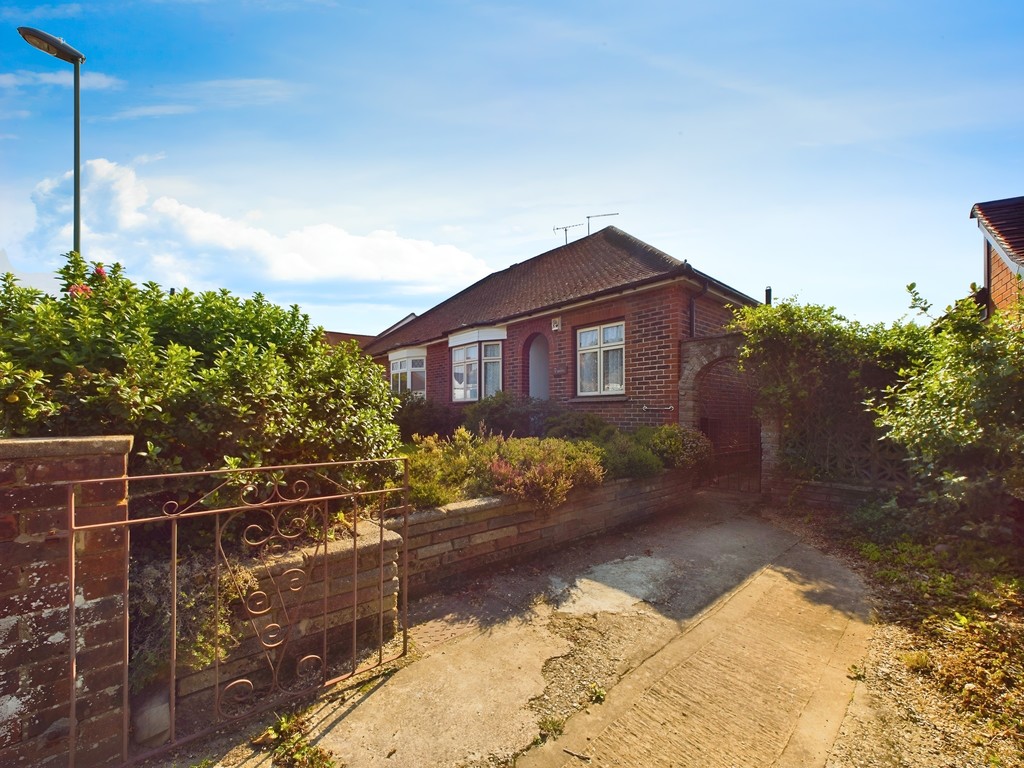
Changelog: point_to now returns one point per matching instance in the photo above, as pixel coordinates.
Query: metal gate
(247, 589)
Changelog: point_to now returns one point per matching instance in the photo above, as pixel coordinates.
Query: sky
(365, 160)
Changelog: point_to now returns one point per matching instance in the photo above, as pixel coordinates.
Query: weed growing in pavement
(597, 694)
(288, 740)
(550, 728)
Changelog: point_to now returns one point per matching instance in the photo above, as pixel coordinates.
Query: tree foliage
(961, 413)
(815, 370)
(202, 380)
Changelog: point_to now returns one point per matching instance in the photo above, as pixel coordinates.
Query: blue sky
(367, 159)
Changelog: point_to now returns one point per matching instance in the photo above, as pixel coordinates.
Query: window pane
(459, 376)
(418, 381)
(492, 350)
(492, 378)
(613, 334)
(472, 352)
(614, 372)
(396, 383)
(588, 372)
(587, 338)
(418, 362)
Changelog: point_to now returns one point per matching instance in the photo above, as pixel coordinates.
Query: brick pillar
(35, 641)
(771, 454)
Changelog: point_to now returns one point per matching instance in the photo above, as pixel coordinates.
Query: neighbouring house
(606, 324)
(334, 338)
(1002, 224)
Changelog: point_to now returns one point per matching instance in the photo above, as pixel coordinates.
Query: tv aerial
(597, 216)
(566, 229)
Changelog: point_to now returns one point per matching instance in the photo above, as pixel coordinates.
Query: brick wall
(35, 642)
(1003, 283)
(469, 535)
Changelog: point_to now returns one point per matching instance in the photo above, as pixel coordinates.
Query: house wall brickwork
(656, 321)
(35, 639)
(1002, 282)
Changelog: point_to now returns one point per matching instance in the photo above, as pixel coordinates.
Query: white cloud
(91, 81)
(64, 11)
(328, 252)
(152, 110)
(172, 242)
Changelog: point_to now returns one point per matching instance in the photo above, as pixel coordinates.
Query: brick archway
(716, 398)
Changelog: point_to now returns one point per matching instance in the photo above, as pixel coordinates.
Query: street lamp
(56, 47)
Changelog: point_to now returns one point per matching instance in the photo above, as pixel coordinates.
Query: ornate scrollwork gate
(249, 588)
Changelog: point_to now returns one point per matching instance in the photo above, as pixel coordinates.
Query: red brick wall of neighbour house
(34, 622)
(1002, 282)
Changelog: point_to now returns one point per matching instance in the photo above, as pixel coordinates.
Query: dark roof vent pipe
(768, 295)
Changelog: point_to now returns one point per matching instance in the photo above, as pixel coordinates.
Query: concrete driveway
(725, 641)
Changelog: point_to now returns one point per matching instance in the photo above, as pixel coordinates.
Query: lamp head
(54, 46)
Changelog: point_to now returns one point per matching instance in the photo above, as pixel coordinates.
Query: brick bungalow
(606, 324)
(1002, 224)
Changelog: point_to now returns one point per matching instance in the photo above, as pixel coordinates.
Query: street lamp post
(56, 47)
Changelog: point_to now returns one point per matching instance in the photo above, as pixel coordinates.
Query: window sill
(600, 399)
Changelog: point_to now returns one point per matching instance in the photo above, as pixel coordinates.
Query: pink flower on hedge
(80, 289)
(101, 272)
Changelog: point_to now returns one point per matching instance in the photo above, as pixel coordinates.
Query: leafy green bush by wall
(417, 415)
(194, 377)
(444, 470)
(574, 425)
(961, 413)
(813, 369)
(544, 470)
(622, 456)
(509, 414)
(677, 447)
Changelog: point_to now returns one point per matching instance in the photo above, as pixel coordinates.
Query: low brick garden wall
(466, 536)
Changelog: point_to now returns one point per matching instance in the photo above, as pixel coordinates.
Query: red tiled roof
(1004, 221)
(605, 262)
(337, 337)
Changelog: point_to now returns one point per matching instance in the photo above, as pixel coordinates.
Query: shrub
(959, 415)
(576, 425)
(443, 470)
(622, 456)
(677, 447)
(418, 416)
(508, 414)
(199, 379)
(543, 471)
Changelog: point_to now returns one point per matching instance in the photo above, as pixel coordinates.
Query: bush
(622, 456)
(959, 416)
(677, 447)
(466, 465)
(576, 425)
(201, 380)
(508, 414)
(443, 470)
(419, 416)
(543, 471)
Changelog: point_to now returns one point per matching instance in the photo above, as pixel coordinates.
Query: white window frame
(473, 362)
(600, 348)
(465, 363)
(404, 364)
(490, 359)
